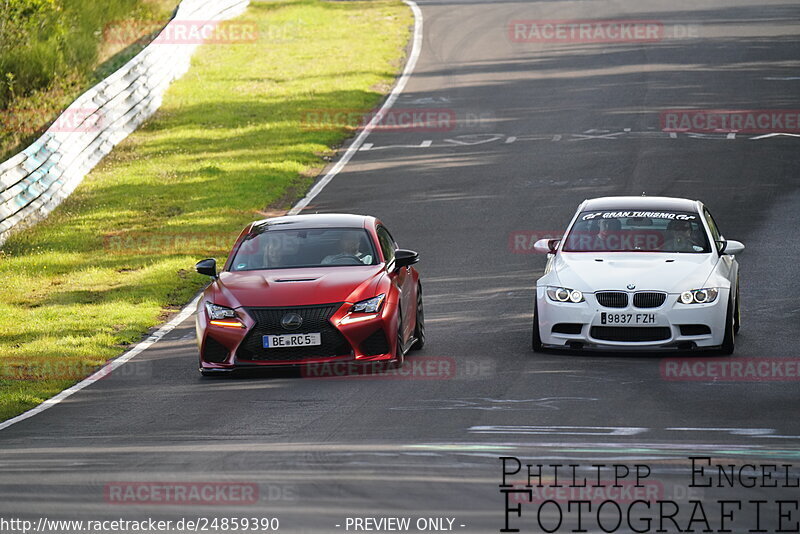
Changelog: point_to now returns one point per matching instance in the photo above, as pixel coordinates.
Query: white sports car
(638, 273)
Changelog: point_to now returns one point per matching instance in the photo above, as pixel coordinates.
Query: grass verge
(231, 141)
(51, 51)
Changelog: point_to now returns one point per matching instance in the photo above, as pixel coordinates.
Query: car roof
(316, 220)
(640, 203)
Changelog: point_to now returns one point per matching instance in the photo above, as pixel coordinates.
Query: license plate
(627, 318)
(291, 340)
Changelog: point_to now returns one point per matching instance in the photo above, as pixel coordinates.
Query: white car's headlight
(564, 294)
(219, 312)
(699, 296)
(369, 305)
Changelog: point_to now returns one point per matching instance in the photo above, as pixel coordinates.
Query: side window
(387, 243)
(715, 235)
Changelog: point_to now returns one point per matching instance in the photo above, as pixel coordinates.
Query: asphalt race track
(541, 126)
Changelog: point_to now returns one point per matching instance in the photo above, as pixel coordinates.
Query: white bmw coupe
(639, 273)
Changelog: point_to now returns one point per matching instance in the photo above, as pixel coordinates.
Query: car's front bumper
(665, 330)
(361, 338)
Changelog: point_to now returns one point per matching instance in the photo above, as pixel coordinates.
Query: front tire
(737, 314)
(419, 328)
(400, 357)
(536, 339)
(727, 346)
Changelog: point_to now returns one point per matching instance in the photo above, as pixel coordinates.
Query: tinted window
(323, 247)
(712, 226)
(637, 231)
(387, 243)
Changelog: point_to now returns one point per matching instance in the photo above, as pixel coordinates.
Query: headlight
(699, 296)
(564, 294)
(369, 305)
(219, 312)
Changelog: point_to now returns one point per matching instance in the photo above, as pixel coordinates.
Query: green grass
(228, 146)
(51, 51)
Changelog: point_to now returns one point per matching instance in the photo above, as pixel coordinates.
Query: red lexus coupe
(310, 289)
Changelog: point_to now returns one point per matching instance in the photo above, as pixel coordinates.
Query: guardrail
(35, 181)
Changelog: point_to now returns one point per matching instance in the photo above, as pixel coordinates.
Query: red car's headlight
(372, 305)
(222, 316)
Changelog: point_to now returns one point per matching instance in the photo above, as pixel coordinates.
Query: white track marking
(774, 134)
(751, 432)
(560, 430)
(187, 311)
(468, 140)
(476, 139)
(109, 367)
(424, 144)
(376, 119)
(583, 137)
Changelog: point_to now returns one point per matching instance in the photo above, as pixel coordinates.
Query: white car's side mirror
(546, 246)
(732, 247)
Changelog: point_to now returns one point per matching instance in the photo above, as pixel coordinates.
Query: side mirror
(731, 247)
(546, 246)
(207, 267)
(404, 258)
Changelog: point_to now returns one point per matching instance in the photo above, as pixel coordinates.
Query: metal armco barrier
(35, 181)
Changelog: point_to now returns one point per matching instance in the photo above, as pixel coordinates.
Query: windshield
(323, 247)
(637, 231)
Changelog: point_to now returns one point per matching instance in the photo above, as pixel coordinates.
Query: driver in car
(679, 237)
(609, 236)
(273, 255)
(349, 245)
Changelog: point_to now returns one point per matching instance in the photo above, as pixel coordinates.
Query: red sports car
(310, 289)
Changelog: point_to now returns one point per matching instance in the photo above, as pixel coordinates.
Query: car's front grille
(375, 344)
(315, 319)
(631, 333)
(612, 299)
(214, 351)
(649, 299)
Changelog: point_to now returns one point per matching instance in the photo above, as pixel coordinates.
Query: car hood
(673, 273)
(295, 287)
